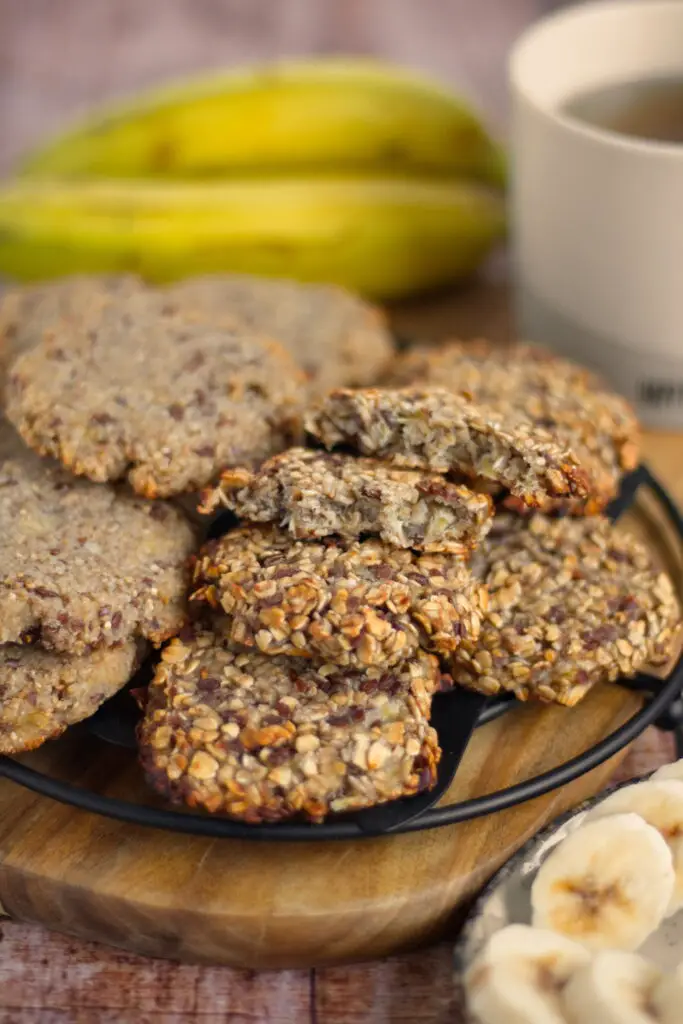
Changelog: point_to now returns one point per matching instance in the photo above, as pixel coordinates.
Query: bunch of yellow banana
(341, 170)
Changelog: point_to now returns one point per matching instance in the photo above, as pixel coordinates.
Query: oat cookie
(439, 430)
(354, 603)
(572, 603)
(263, 739)
(83, 564)
(554, 393)
(26, 313)
(42, 693)
(335, 337)
(155, 394)
(317, 494)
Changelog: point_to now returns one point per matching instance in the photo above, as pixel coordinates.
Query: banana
(384, 239)
(669, 771)
(607, 885)
(327, 115)
(614, 988)
(519, 976)
(660, 804)
(667, 998)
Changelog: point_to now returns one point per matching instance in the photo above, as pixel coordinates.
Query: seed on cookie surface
(554, 393)
(41, 693)
(318, 494)
(144, 391)
(439, 430)
(572, 602)
(295, 737)
(85, 565)
(336, 337)
(353, 603)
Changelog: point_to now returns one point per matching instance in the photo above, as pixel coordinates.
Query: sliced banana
(667, 998)
(660, 804)
(614, 988)
(669, 771)
(607, 885)
(520, 975)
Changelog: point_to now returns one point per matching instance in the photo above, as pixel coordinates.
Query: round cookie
(334, 336)
(441, 431)
(263, 739)
(554, 393)
(354, 603)
(85, 565)
(163, 397)
(572, 602)
(42, 693)
(318, 494)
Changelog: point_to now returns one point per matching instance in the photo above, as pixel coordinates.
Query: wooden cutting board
(265, 905)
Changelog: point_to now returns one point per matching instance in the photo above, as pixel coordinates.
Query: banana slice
(669, 771)
(667, 998)
(520, 975)
(607, 885)
(660, 804)
(614, 988)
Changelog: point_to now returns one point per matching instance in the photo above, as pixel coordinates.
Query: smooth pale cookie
(163, 397)
(556, 394)
(263, 739)
(335, 337)
(319, 494)
(26, 313)
(444, 432)
(42, 693)
(572, 602)
(85, 564)
(354, 603)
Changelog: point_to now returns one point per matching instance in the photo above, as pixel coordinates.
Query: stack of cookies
(444, 528)
(146, 394)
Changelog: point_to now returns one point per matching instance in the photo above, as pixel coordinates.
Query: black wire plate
(455, 716)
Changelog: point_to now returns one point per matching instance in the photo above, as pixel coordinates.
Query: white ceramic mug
(597, 216)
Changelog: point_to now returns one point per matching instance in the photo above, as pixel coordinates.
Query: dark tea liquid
(646, 108)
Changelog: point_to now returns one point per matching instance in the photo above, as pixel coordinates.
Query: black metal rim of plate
(457, 714)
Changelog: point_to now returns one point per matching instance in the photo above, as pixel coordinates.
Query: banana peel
(385, 239)
(332, 117)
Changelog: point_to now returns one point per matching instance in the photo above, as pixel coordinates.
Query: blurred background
(60, 57)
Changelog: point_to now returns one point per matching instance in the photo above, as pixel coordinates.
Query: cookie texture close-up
(42, 693)
(85, 564)
(263, 739)
(162, 397)
(556, 394)
(28, 312)
(336, 337)
(354, 603)
(572, 603)
(442, 431)
(319, 494)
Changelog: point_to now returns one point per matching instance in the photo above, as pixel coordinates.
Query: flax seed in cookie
(84, 565)
(319, 494)
(41, 693)
(438, 430)
(572, 603)
(556, 394)
(159, 396)
(335, 337)
(354, 603)
(28, 312)
(264, 739)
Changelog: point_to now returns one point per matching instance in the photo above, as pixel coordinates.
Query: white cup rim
(667, 151)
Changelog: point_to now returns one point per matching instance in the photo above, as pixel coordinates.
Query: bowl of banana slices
(584, 925)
